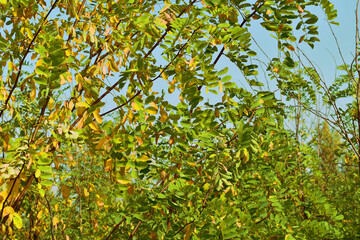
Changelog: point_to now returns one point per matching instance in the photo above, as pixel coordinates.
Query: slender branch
(120, 106)
(358, 80)
(11, 189)
(76, 21)
(51, 218)
(146, 55)
(266, 217)
(340, 123)
(241, 25)
(135, 229)
(177, 54)
(23, 59)
(184, 227)
(115, 228)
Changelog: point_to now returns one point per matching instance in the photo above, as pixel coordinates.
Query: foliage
(95, 147)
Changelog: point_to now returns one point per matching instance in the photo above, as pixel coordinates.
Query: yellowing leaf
(135, 106)
(55, 220)
(151, 111)
(65, 191)
(164, 115)
(39, 214)
(86, 193)
(62, 80)
(28, 30)
(94, 127)
(171, 88)
(99, 202)
(17, 221)
(346, 159)
(143, 158)
(299, 8)
(220, 86)
(290, 47)
(82, 104)
(37, 173)
(101, 142)
(7, 210)
(122, 181)
(79, 78)
(108, 165)
(97, 116)
(3, 196)
(139, 140)
(171, 141)
(113, 65)
(245, 156)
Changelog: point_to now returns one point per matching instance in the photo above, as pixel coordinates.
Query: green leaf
(230, 85)
(226, 78)
(17, 220)
(222, 72)
(47, 183)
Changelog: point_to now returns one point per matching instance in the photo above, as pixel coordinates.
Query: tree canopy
(116, 122)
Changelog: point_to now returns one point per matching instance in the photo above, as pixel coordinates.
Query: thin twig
(23, 59)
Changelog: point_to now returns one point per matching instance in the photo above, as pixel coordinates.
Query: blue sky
(325, 55)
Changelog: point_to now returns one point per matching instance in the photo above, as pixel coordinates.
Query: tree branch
(23, 59)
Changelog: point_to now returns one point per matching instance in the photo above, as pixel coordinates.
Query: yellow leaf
(95, 127)
(86, 193)
(299, 8)
(3, 196)
(10, 66)
(140, 141)
(28, 30)
(220, 86)
(97, 116)
(99, 202)
(193, 164)
(164, 115)
(153, 104)
(108, 165)
(171, 141)
(135, 106)
(143, 158)
(122, 181)
(9, 220)
(65, 191)
(37, 173)
(101, 141)
(151, 110)
(79, 78)
(51, 103)
(39, 214)
(17, 220)
(245, 156)
(290, 47)
(62, 80)
(55, 220)
(113, 65)
(33, 56)
(7, 210)
(82, 104)
(171, 88)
